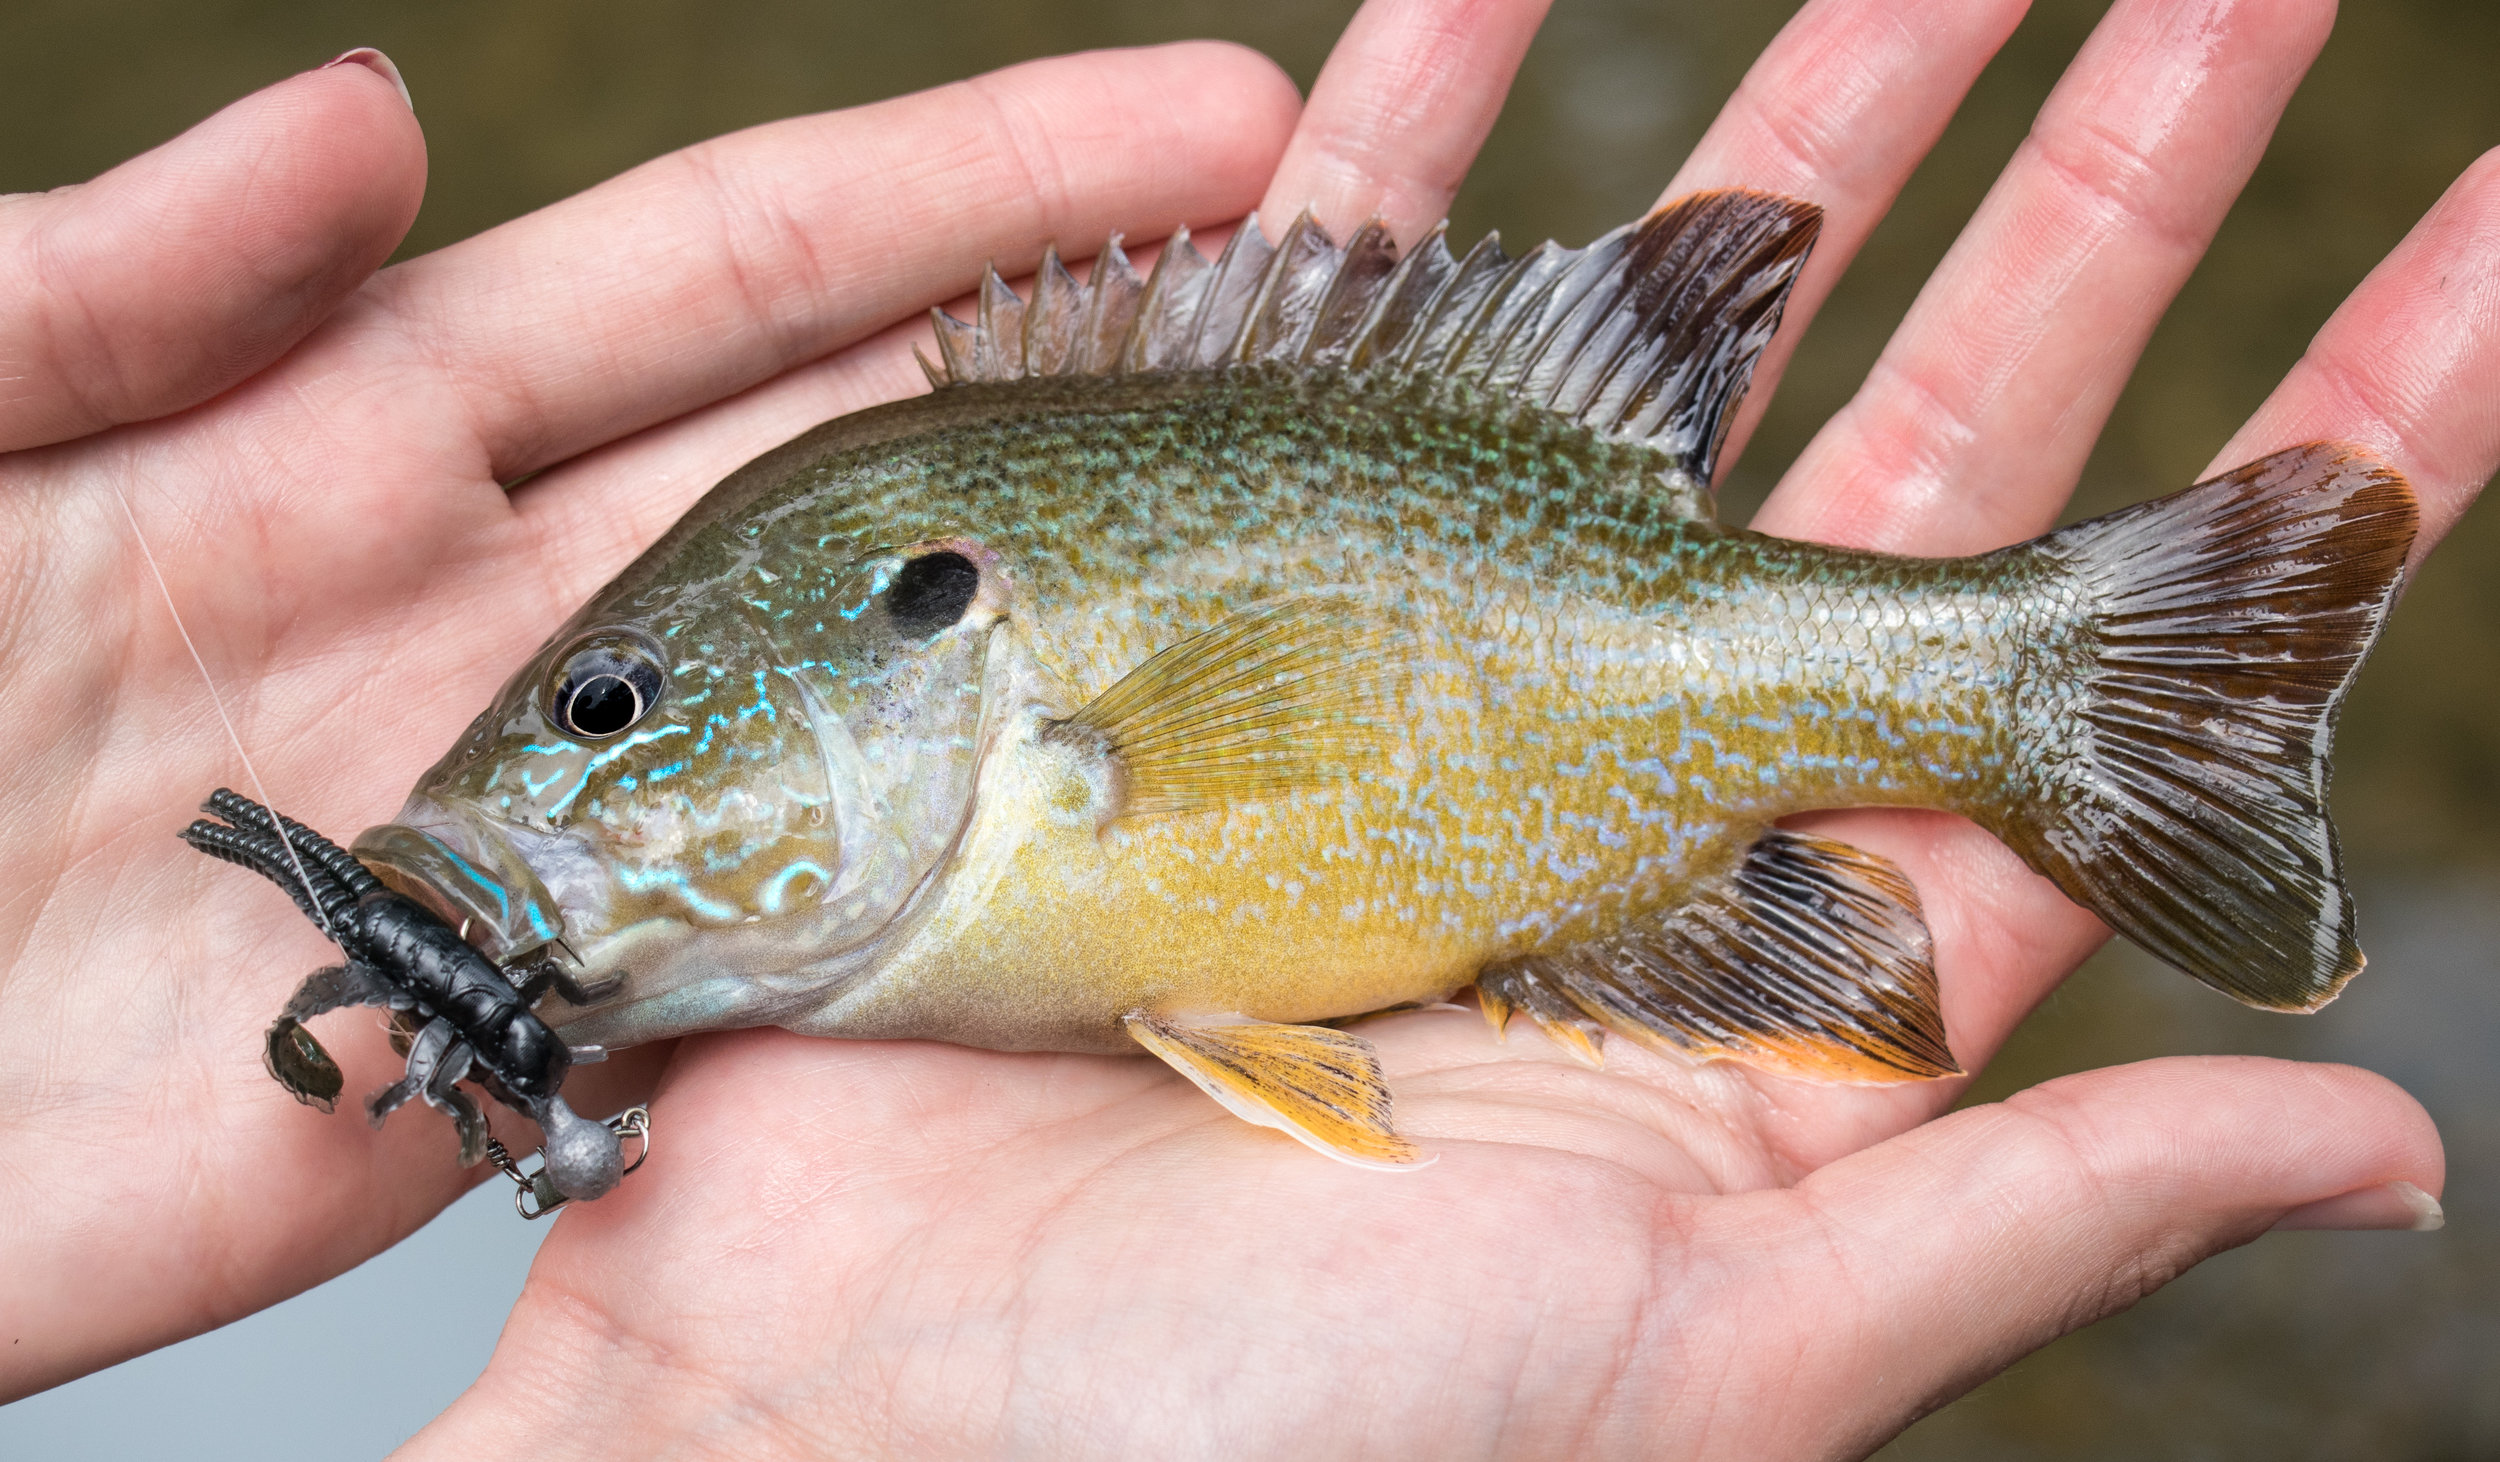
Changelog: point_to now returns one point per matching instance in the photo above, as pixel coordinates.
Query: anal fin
(1320, 1087)
(1811, 959)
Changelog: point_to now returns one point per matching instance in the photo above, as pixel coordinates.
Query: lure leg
(442, 1093)
(586, 992)
(537, 978)
(425, 1053)
(334, 987)
(297, 1061)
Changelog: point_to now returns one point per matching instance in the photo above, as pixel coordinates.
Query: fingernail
(380, 65)
(2385, 1206)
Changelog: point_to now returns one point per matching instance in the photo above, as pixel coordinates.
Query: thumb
(1956, 1249)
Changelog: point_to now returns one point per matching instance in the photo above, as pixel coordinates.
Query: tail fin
(2226, 623)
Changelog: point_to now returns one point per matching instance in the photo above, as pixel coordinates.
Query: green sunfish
(1215, 656)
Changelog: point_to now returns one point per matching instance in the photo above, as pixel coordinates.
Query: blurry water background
(2325, 1346)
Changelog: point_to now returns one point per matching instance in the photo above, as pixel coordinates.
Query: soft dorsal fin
(1810, 959)
(1650, 334)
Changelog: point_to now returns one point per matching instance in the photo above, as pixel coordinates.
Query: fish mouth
(475, 881)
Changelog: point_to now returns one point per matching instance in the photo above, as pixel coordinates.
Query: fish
(1214, 657)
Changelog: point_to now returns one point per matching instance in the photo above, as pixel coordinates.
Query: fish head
(723, 787)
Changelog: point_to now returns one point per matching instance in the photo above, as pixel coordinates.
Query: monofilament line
(167, 594)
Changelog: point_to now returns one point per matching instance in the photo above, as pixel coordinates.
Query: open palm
(907, 1248)
(317, 455)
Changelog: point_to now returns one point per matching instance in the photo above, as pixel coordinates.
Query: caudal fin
(2226, 623)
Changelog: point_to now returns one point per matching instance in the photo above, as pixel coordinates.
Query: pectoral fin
(1282, 696)
(1811, 959)
(1320, 1087)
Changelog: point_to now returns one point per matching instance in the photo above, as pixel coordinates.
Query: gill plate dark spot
(932, 592)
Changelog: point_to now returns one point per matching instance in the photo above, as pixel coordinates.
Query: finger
(587, 518)
(1963, 1245)
(697, 275)
(2409, 366)
(185, 270)
(1974, 424)
(1397, 114)
(1839, 110)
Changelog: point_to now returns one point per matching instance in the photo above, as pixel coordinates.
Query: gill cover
(766, 741)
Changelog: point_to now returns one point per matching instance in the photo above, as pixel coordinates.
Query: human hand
(316, 453)
(915, 1249)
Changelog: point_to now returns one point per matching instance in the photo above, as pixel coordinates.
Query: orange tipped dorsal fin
(1811, 959)
(1321, 1087)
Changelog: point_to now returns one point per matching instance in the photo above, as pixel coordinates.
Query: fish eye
(607, 685)
(931, 592)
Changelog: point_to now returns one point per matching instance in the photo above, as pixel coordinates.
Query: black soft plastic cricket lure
(471, 1020)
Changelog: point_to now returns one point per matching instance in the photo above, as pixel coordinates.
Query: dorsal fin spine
(1459, 309)
(1112, 293)
(1649, 335)
(954, 341)
(1050, 317)
(1162, 313)
(1354, 298)
(1001, 318)
(1223, 309)
(1275, 277)
(1411, 288)
(1286, 308)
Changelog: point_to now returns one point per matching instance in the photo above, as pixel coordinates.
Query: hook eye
(535, 1197)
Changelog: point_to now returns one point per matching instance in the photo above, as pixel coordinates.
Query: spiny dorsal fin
(1650, 334)
(1320, 1087)
(1810, 960)
(1277, 696)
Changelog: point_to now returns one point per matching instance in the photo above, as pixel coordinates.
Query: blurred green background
(2301, 1346)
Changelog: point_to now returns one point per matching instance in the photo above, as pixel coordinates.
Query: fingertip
(380, 65)
(1966, 1243)
(1241, 99)
(2397, 1205)
(344, 153)
(2482, 171)
(2475, 194)
(181, 272)
(1400, 109)
(1250, 76)
(2206, 1152)
(2293, 25)
(1186, 132)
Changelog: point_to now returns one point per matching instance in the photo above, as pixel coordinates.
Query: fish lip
(473, 872)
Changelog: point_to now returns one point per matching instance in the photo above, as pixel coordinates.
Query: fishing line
(215, 699)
